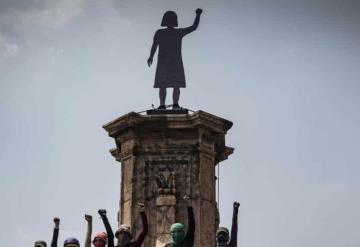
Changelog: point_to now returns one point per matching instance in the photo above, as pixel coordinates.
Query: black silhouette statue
(170, 69)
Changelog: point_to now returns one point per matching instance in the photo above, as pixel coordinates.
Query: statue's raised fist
(199, 11)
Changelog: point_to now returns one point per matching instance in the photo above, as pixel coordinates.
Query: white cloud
(53, 14)
(54, 53)
(8, 49)
(17, 20)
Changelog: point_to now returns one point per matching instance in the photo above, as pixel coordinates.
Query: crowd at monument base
(168, 160)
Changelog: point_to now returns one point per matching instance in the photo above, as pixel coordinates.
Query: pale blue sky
(285, 72)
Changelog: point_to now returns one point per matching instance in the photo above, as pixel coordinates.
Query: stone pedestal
(164, 159)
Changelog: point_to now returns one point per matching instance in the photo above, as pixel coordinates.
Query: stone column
(164, 158)
(165, 217)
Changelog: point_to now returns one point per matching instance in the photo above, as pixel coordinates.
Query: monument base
(164, 111)
(167, 156)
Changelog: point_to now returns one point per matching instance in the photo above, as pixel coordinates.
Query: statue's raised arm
(194, 26)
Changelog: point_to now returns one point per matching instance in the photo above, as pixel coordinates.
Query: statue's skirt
(170, 72)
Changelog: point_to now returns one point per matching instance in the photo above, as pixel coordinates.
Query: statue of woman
(170, 69)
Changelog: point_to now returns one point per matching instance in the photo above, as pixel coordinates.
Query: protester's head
(100, 239)
(123, 234)
(169, 19)
(177, 233)
(71, 242)
(222, 236)
(40, 243)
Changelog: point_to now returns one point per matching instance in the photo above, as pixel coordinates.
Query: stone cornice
(123, 123)
(173, 121)
(134, 126)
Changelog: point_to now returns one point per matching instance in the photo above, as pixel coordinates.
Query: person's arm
(88, 218)
(145, 226)
(194, 26)
(55, 233)
(191, 226)
(153, 49)
(234, 226)
(110, 234)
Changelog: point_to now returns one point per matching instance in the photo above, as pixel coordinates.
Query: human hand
(88, 218)
(141, 207)
(57, 222)
(198, 11)
(102, 212)
(149, 61)
(236, 204)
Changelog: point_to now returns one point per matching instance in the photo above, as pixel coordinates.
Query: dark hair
(222, 230)
(40, 243)
(169, 19)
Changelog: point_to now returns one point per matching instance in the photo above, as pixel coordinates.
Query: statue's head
(123, 234)
(169, 19)
(71, 242)
(100, 239)
(177, 233)
(40, 243)
(222, 236)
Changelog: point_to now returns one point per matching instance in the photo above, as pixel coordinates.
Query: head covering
(71, 241)
(177, 233)
(101, 235)
(222, 230)
(169, 19)
(176, 226)
(222, 236)
(40, 243)
(123, 228)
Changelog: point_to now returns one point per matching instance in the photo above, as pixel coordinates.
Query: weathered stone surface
(165, 158)
(165, 217)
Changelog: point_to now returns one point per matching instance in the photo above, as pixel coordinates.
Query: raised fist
(57, 222)
(236, 204)
(88, 218)
(102, 212)
(198, 11)
(149, 61)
